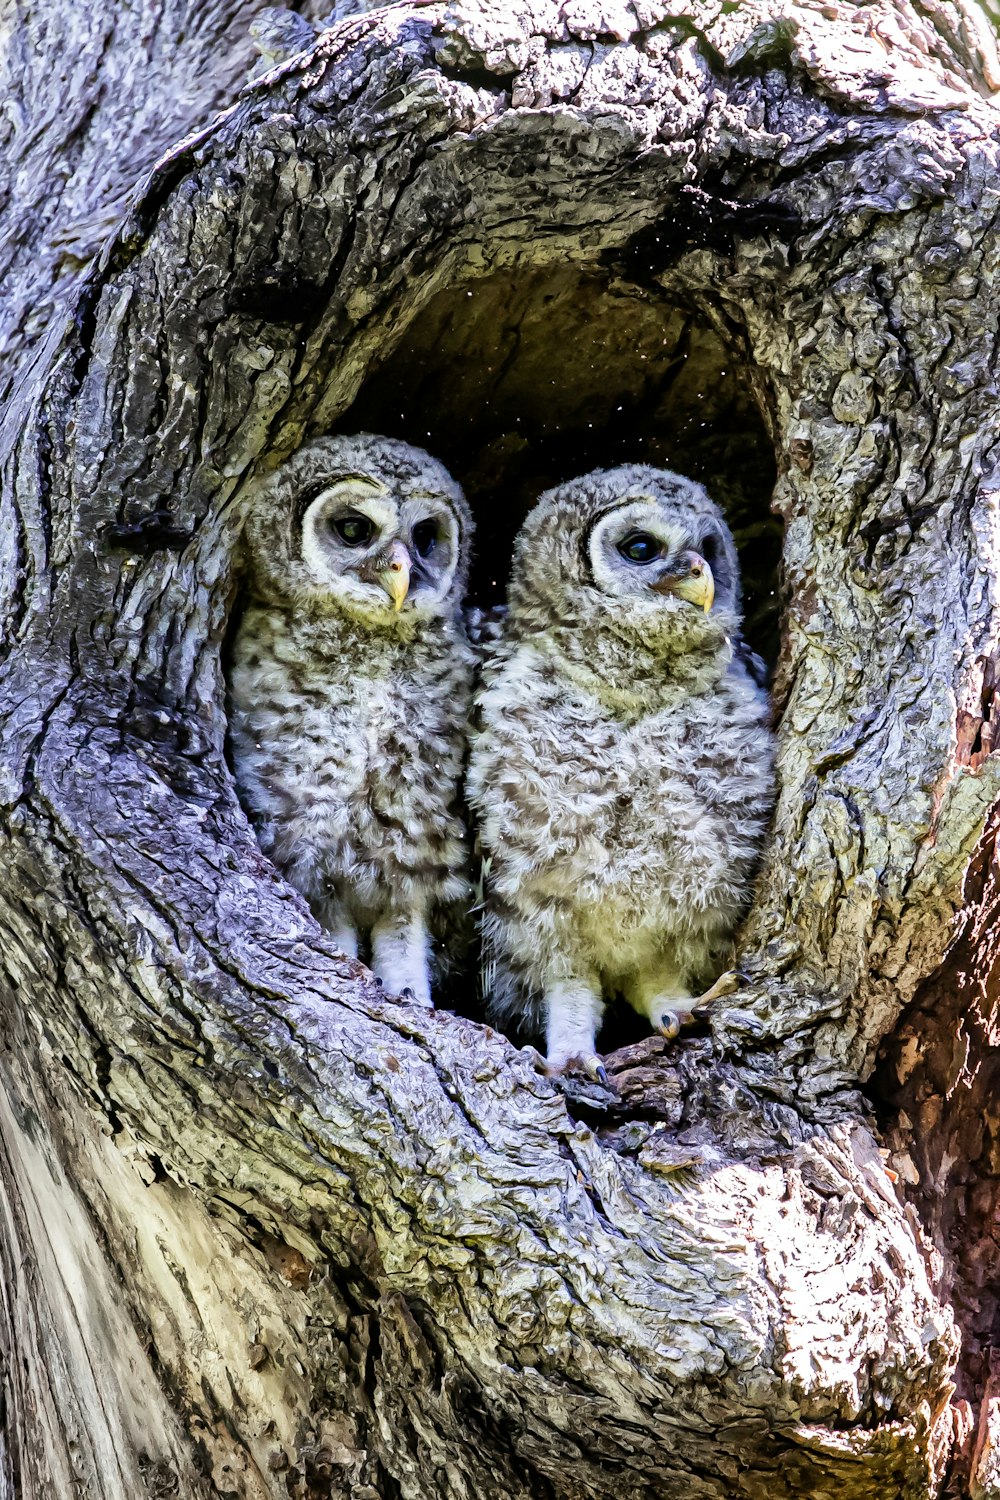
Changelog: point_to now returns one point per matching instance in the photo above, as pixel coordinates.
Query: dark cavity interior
(520, 381)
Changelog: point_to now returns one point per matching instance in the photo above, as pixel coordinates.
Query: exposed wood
(265, 1233)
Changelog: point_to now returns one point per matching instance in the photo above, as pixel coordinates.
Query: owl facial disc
(640, 550)
(376, 551)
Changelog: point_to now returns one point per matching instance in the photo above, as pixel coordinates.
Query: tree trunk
(265, 1233)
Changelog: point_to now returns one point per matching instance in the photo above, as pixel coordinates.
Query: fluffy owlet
(349, 692)
(622, 772)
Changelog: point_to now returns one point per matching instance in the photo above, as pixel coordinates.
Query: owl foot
(668, 1023)
(572, 1021)
(401, 956)
(409, 994)
(669, 1020)
(728, 983)
(587, 1063)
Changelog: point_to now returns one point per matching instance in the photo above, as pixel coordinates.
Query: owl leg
(331, 914)
(661, 994)
(401, 954)
(573, 1011)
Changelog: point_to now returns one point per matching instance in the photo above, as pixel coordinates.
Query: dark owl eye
(425, 536)
(354, 530)
(708, 547)
(639, 547)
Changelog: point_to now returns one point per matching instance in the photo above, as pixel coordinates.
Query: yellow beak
(697, 586)
(394, 577)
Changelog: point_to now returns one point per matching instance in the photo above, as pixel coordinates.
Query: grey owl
(622, 771)
(349, 692)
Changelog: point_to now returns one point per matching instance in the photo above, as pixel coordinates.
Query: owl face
(362, 526)
(635, 554)
(374, 550)
(642, 549)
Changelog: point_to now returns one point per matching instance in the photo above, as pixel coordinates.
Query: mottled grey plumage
(622, 769)
(349, 692)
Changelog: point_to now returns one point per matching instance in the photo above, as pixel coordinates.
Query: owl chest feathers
(652, 821)
(348, 754)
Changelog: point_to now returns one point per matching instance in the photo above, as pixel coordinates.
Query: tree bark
(264, 1232)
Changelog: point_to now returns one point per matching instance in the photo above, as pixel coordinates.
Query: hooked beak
(394, 574)
(695, 583)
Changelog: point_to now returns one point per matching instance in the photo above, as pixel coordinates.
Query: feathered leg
(667, 1001)
(332, 915)
(573, 1011)
(660, 993)
(401, 954)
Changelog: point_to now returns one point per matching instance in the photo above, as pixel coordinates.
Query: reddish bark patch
(938, 1085)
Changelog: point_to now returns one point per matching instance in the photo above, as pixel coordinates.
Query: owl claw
(587, 1063)
(671, 1020)
(669, 1025)
(726, 984)
(413, 997)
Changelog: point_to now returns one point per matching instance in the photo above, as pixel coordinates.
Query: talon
(411, 996)
(726, 984)
(669, 1025)
(587, 1063)
(591, 1064)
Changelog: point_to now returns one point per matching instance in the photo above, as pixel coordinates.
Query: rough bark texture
(263, 1232)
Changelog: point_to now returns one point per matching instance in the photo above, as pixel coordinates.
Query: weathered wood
(264, 1232)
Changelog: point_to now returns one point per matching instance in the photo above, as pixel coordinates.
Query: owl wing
(503, 996)
(500, 994)
(453, 933)
(485, 629)
(754, 665)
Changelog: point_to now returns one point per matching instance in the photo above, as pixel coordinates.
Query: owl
(622, 768)
(349, 692)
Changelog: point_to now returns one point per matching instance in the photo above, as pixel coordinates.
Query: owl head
(365, 527)
(629, 559)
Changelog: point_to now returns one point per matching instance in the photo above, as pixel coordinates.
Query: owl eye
(354, 530)
(639, 547)
(425, 537)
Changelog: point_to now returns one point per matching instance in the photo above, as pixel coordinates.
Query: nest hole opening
(522, 380)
